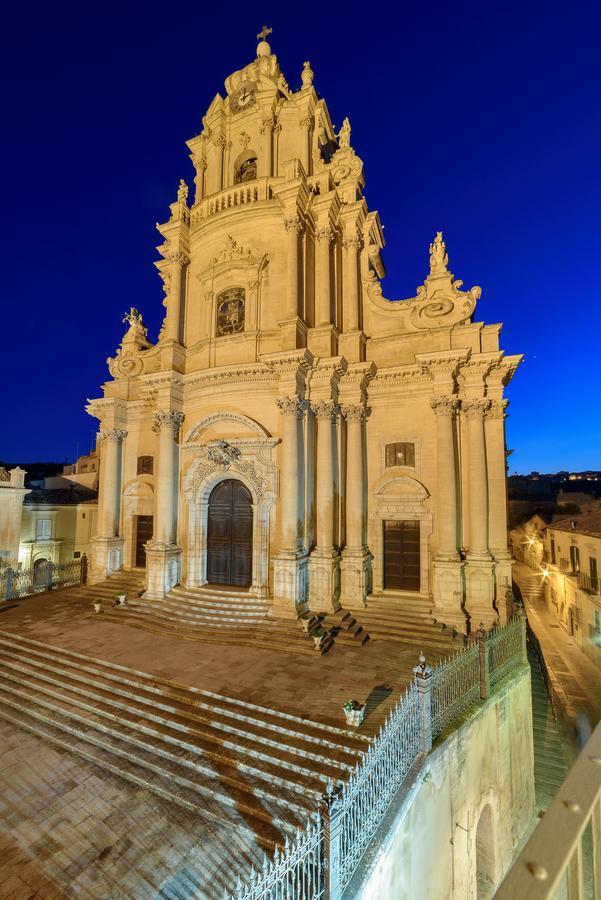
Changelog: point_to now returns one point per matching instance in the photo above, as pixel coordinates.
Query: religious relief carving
(475, 409)
(232, 251)
(222, 454)
(325, 410)
(230, 311)
(291, 406)
(497, 409)
(167, 418)
(444, 406)
(113, 435)
(294, 222)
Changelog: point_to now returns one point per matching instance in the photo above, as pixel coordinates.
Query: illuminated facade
(292, 431)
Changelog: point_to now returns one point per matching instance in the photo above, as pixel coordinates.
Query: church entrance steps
(343, 626)
(230, 759)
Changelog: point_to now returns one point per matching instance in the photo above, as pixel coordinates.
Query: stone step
(267, 834)
(162, 692)
(177, 731)
(213, 591)
(194, 615)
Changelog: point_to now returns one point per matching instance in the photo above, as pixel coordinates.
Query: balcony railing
(556, 856)
(238, 195)
(589, 583)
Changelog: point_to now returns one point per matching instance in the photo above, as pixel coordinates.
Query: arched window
(246, 167)
(230, 311)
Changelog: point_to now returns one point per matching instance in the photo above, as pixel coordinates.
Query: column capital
(325, 409)
(444, 406)
(167, 418)
(294, 223)
(354, 412)
(324, 234)
(179, 258)
(113, 435)
(497, 408)
(291, 406)
(475, 409)
(352, 243)
(199, 163)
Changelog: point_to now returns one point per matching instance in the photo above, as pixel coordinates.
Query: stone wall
(463, 818)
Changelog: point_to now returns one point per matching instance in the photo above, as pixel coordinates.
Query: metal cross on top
(264, 32)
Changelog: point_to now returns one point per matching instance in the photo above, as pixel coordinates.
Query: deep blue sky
(479, 119)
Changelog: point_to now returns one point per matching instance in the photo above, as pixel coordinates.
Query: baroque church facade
(293, 432)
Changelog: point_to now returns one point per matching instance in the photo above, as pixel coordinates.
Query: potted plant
(354, 712)
(121, 599)
(319, 635)
(97, 606)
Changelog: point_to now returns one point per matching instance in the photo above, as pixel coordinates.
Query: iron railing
(322, 860)
(589, 583)
(558, 855)
(45, 576)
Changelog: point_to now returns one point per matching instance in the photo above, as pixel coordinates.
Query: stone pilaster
(290, 561)
(173, 325)
(494, 429)
(293, 331)
(163, 555)
(356, 558)
(322, 338)
(107, 553)
(266, 130)
(325, 559)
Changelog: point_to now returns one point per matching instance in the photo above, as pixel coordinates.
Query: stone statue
(134, 319)
(439, 258)
(307, 74)
(344, 135)
(182, 191)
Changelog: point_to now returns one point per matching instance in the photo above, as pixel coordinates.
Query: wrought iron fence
(44, 576)
(455, 686)
(322, 860)
(589, 583)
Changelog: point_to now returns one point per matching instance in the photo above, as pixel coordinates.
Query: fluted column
(494, 428)
(174, 303)
(167, 423)
(294, 227)
(446, 477)
(291, 475)
(477, 479)
(323, 310)
(350, 310)
(355, 468)
(110, 475)
(325, 412)
(267, 132)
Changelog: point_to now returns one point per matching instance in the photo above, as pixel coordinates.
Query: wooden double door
(230, 535)
(144, 531)
(401, 555)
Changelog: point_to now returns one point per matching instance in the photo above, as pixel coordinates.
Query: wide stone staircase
(407, 621)
(551, 750)
(231, 762)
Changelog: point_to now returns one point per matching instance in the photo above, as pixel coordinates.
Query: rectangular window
(574, 559)
(42, 529)
(592, 567)
(145, 465)
(597, 622)
(400, 454)
(402, 563)
(76, 554)
(553, 551)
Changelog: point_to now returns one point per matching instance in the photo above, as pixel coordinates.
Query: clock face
(243, 97)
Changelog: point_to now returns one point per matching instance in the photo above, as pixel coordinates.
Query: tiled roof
(63, 496)
(584, 523)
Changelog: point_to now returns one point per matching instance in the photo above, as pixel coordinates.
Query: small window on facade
(552, 551)
(145, 465)
(42, 529)
(76, 554)
(400, 454)
(230, 312)
(247, 170)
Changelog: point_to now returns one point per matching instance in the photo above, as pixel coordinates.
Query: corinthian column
(325, 412)
(167, 423)
(174, 304)
(323, 309)
(355, 488)
(294, 227)
(477, 479)
(494, 428)
(291, 476)
(350, 309)
(267, 131)
(446, 477)
(110, 476)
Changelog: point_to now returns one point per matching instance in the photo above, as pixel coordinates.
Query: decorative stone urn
(97, 606)
(319, 636)
(121, 599)
(354, 712)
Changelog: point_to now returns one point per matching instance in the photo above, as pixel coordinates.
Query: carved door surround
(399, 497)
(138, 500)
(246, 459)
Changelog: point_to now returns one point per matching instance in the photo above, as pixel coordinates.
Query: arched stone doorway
(230, 534)
(485, 855)
(40, 573)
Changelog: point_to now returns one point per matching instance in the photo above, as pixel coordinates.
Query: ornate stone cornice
(291, 406)
(167, 418)
(444, 406)
(325, 410)
(294, 222)
(475, 409)
(497, 408)
(113, 435)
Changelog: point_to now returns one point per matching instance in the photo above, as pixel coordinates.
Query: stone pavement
(576, 680)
